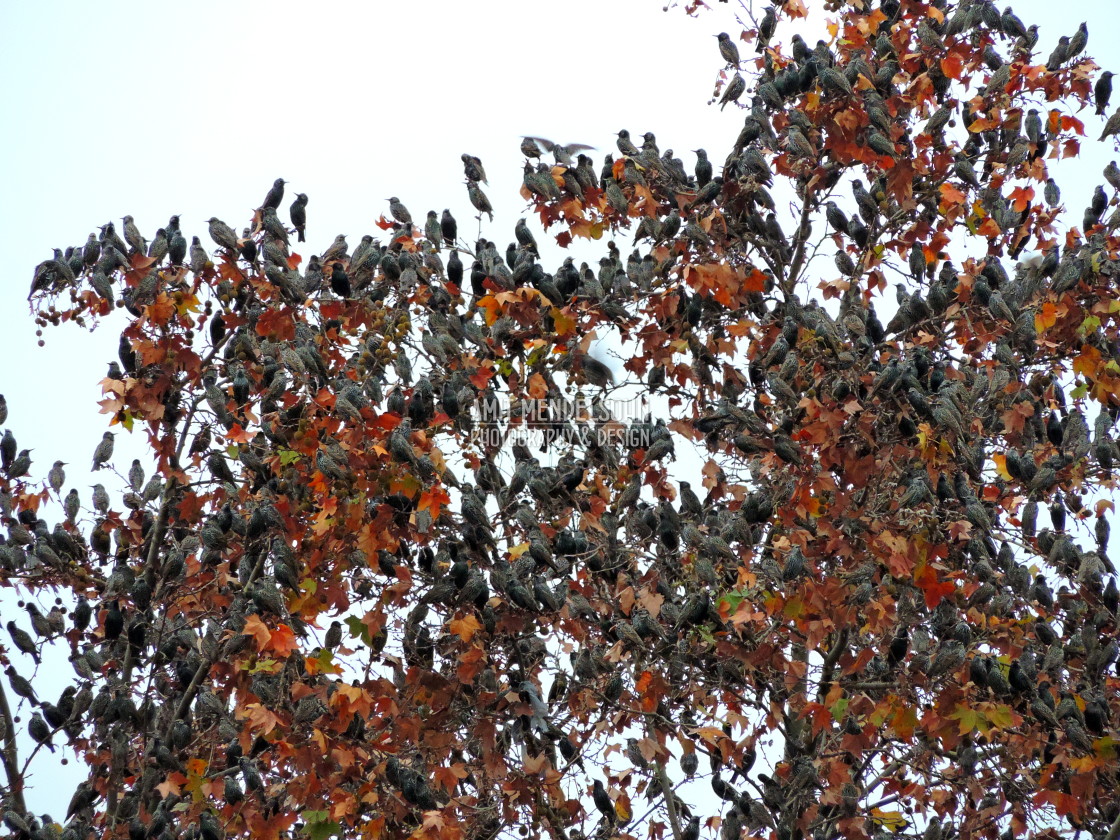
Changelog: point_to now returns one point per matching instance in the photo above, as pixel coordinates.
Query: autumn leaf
(465, 627)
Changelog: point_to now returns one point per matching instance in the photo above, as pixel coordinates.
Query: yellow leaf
(622, 809)
(892, 820)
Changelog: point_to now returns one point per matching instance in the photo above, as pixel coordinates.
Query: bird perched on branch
(298, 214)
(399, 212)
(728, 50)
(103, 452)
(274, 195)
(472, 168)
(479, 200)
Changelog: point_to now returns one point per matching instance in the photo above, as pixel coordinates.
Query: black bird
(334, 635)
(708, 193)
(298, 214)
(603, 801)
(766, 28)
(1054, 429)
(340, 283)
(472, 168)
(703, 168)
(1102, 91)
(275, 194)
(114, 621)
(449, 227)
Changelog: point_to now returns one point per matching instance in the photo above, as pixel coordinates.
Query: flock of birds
(684, 548)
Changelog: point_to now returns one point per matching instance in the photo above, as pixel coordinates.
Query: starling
(103, 452)
(708, 193)
(83, 797)
(159, 247)
(1054, 431)
(340, 282)
(199, 257)
(1078, 40)
(432, 230)
(37, 728)
(766, 28)
(1102, 91)
(209, 827)
(22, 641)
(39, 621)
(625, 145)
(176, 248)
(1011, 25)
(449, 227)
(603, 801)
(114, 621)
(275, 194)
(1112, 126)
(136, 242)
(57, 476)
(336, 251)
(100, 499)
(223, 235)
(1112, 176)
(309, 709)
(703, 168)
(479, 200)
(525, 237)
(136, 475)
(836, 218)
(81, 614)
(333, 637)
(71, 505)
(963, 169)
(472, 168)
(733, 91)
(298, 214)
(21, 686)
(728, 50)
(20, 465)
(399, 212)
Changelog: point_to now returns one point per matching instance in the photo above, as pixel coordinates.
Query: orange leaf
(1021, 197)
(951, 66)
(493, 310)
(258, 630)
(283, 640)
(237, 434)
(465, 627)
(951, 195)
(538, 388)
(989, 228)
(1046, 317)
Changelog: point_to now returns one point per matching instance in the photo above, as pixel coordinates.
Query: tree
(350, 600)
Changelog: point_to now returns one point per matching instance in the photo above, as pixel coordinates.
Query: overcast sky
(154, 109)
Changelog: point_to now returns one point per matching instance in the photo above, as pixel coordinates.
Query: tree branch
(10, 757)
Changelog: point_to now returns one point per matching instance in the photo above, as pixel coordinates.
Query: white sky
(150, 109)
